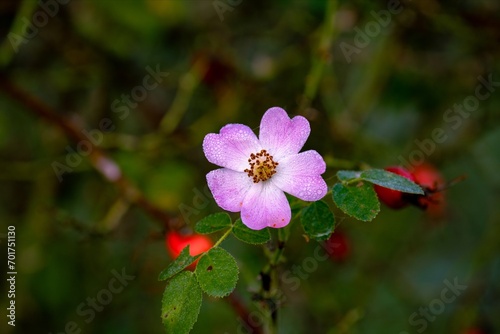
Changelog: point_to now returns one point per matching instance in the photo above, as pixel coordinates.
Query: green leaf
(179, 264)
(391, 180)
(250, 236)
(181, 303)
(213, 223)
(357, 200)
(217, 272)
(346, 175)
(318, 221)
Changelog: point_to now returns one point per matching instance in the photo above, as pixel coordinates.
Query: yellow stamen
(262, 166)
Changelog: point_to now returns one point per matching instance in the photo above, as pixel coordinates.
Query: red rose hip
(338, 246)
(429, 178)
(176, 242)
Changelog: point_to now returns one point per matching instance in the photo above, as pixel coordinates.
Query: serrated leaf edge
(237, 276)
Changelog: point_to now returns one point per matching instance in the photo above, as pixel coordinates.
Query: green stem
(352, 181)
(187, 85)
(270, 274)
(224, 236)
(281, 247)
(321, 56)
(8, 50)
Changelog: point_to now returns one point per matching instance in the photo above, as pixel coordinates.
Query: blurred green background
(227, 62)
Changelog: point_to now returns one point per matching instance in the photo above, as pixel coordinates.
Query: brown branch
(104, 164)
(108, 168)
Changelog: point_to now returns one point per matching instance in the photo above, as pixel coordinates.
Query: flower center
(262, 166)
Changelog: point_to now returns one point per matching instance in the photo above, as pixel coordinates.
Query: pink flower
(256, 171)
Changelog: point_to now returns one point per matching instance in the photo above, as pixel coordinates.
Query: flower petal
(229, 188)
(232, 147)
(265, 205)
(280, 135)
(300, 176)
